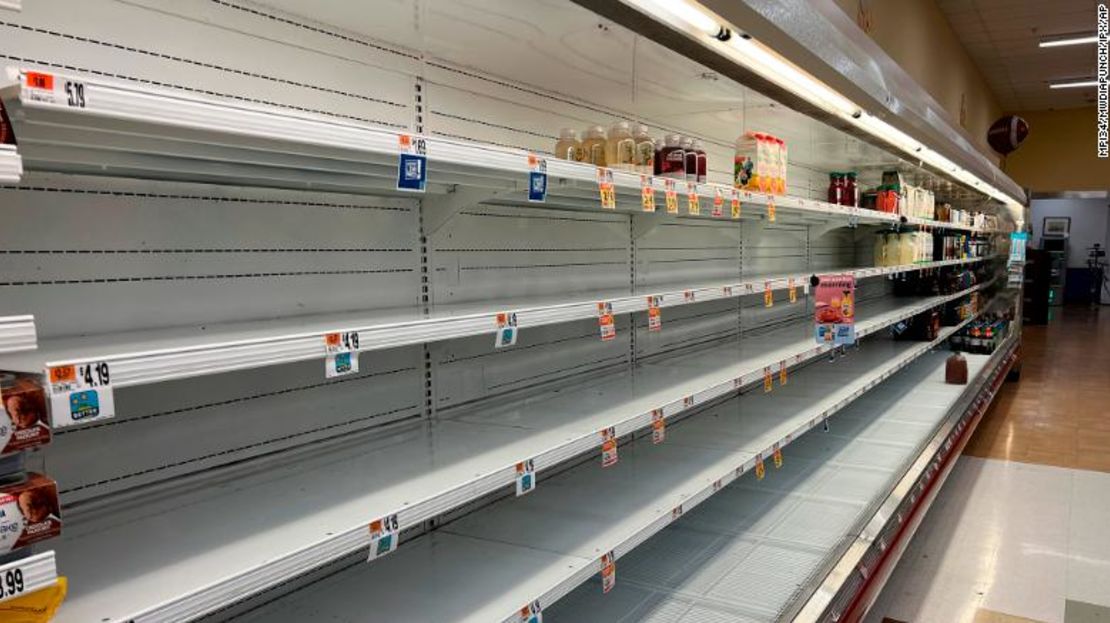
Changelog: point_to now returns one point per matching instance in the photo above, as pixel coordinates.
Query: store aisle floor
(1020, 531)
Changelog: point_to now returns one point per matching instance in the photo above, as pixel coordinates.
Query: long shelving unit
(488, 565)
(418, 472)
(204, 219)
(142, 357)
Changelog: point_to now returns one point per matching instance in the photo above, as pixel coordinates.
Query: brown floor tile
(1059, 413)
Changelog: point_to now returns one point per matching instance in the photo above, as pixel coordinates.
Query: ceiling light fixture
(1076, 84)
(690, 18)
(1060, 41)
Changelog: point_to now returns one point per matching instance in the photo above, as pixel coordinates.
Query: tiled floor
(1021, 530)
(1059, 414)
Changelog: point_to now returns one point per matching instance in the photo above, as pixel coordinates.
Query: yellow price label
(693, 203)
(735, 204)
(771, 209)
(718, 203)
(777, 456)
(793, 290)
(768, 295)
(647, 194)
(670, 195)
(760, 471)
(768, 380)
(605, 189)
(782, 373)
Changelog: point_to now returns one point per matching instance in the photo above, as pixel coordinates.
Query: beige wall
(1060, 153)
(918, 37)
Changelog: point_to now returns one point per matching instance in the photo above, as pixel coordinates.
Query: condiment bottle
(691, 163)
(620, 149)
(850, 195)
(835, 188)
(645, 150)
(702, 162)
(672, 158)
(568, 147)
(593, 146)
(657, 162)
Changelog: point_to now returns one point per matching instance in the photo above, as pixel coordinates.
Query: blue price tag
(537, 179)
(412, 166)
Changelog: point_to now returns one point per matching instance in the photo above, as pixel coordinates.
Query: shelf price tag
(44, 87)
(718, 203)
(506, 330)
(760, 471)
(793, 290)
(676, 513)
(412, 165)
(768, 380)
(647, 194)
(537, 179)
(342, 353)
(658, 426)
(768, 295)
(735, 204)
(693, 202)
(608, 572)
(80, 393)
(777, 456)
(384, 536)
(605, 189)
(655, 316)
(609, 447)
(718, 485)
(726, 291)
(605, 321)
(532, 613)
(771, 209)
(670, 195)
(18, 577)
(782, 372)
(525, 477)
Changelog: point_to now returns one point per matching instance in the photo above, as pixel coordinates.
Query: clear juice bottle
(568, 147)
(593, 146)
(620, 148)
(645, 150)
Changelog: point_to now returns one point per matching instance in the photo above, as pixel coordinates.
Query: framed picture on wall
(1056, 226)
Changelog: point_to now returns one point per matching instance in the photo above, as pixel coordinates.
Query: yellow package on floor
(36, 607)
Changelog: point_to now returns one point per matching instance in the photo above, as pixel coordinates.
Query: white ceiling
(1002, 37)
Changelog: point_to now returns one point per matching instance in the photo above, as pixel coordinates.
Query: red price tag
(718, 203)
(38, 80)
(735, 204)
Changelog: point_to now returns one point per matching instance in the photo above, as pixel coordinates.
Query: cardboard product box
(24, 421)
(29, 512)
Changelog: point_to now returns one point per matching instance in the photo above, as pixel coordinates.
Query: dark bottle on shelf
(836, 189)
(849, 196)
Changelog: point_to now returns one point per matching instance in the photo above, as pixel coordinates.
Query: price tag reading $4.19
(341, 354)
(384, 536)
(80, 393)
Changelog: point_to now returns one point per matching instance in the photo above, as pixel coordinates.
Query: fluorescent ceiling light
(1068, 40)
(1073, 85)
(691, 18)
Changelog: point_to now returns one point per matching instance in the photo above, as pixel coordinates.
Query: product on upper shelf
(645, 150)
(850, 194)
(702, 166)
(691, 162)
(593, 146)
(620, 149)
(568, 147)
(836, 189)
(893, 180)
(760, 163)
(657, 160)
(23, 418)
(28, 512)
(672, 158)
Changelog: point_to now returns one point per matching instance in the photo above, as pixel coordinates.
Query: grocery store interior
(526, 311)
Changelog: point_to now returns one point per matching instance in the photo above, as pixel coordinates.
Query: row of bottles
(914, 247)
(629, 147)
(843, 189)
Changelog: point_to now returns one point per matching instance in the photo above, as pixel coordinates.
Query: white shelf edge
(11, 164)
(504, 169)
(164, 364)
(621, 548)
(15, 5)
(38, 571)
(297, 562)
(17, 333)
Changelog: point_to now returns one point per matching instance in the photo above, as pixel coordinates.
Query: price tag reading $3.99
(384, 536)
(80, 393)
(342, 354)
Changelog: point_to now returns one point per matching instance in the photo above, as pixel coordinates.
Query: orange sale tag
(671, 196)
(605, 189)
(777, 456)
(718, 203)
(693, 204)
(63, 374)
(658, 426)
(38, 80)
(768, 380)
(608, 572)
(760, 471)
(771, 209)
(768, 295)
(605, 321)
(609, 447)
(735, 204)
(782, 372)
(647, 194)
(655, 319)
(793, 291)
